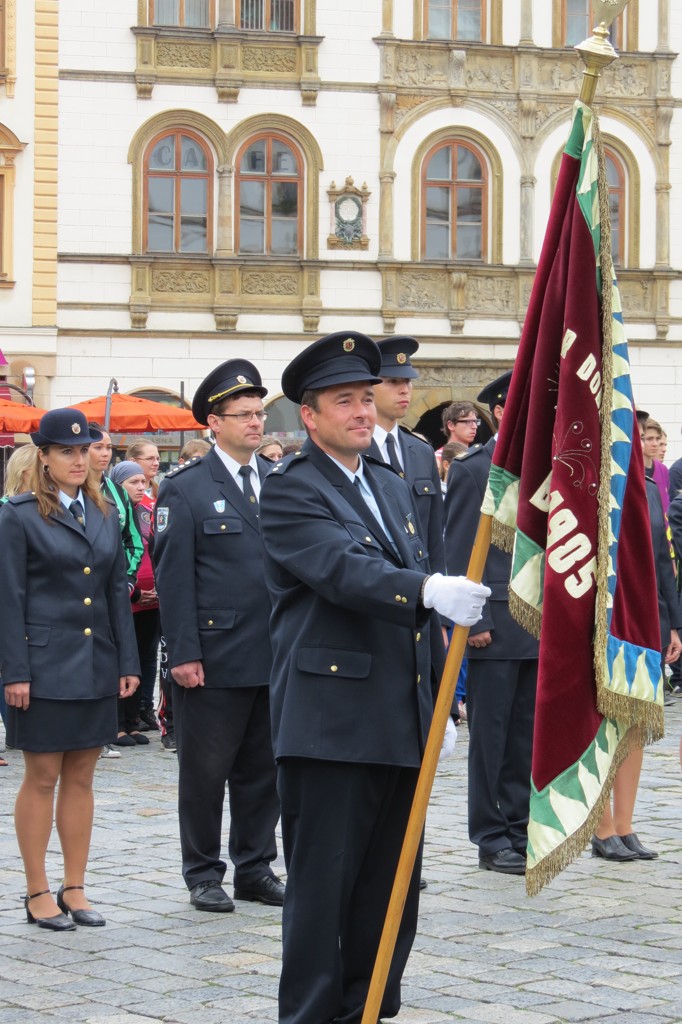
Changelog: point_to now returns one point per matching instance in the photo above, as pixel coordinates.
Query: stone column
(224, 233)
(663, 25)
(527, 220)
(226, 13)
(386, 179)
(387, 17)
(662, 224)
(526, 23)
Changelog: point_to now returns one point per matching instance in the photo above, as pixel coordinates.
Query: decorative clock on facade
(348, 216)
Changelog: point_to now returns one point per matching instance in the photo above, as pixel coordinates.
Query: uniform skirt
(51, 726)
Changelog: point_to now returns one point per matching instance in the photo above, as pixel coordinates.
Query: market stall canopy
(16, 418)
(132, 414)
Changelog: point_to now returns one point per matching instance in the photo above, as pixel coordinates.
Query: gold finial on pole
(597, 53)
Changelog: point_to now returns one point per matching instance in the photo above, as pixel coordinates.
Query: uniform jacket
(467, 481)
(351, 653)
(66, 625)
(421, 473)
(668, 603)
(208, 563)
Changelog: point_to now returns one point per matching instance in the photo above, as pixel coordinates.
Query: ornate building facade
(183, 181)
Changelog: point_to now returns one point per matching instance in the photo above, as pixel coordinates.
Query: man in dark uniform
(215, 609)
(501, 675)
(410, 457)
(351, 701)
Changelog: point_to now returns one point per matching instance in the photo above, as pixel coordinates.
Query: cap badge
(75, 428)
(401, 358)
(348, 345)
(242, 380)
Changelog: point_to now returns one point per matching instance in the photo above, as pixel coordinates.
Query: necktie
(393, 455)
(249, 493)
(77, 511)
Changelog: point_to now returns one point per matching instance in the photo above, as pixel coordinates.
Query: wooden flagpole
(597, 53)
(420, 803)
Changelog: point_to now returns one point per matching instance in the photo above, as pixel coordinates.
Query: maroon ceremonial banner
(567, 495)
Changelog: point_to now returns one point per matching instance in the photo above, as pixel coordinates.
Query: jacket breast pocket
(38, 636)
(335, 662)
(425, 487)
(360, 533)
(210, 620)
(222, 525)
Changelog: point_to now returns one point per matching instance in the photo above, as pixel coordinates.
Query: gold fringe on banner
(605, 412)
(554, 863)
(631, 711)
(525, 614)
(502, 536)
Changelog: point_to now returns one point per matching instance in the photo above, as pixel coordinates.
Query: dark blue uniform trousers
(223, 736)
(500, 714)
(343, 826)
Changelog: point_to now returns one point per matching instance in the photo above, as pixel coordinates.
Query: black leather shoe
(267, 890)
(210, 896)
(506, 861)
(612, 848)
(631, 842)
(56, 923)
(87, 918)
(422, 883)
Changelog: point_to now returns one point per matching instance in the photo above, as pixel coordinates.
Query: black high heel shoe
(58, 923)
(87, 918)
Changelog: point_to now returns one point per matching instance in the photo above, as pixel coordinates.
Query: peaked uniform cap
(395, 357)
(346, 357)
(226, 381)
(496, 392)
(66, 427)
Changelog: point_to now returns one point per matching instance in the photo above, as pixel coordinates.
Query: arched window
(578, 21)
(269, 197)
(187, 13)
(454, 201)
(178, 190)
(615, 175)
(268, 15)
(455, 19)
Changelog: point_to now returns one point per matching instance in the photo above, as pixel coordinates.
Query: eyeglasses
(476, 422)
(242, 417)
(148, 458)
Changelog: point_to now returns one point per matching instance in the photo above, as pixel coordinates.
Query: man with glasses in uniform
(460, 423)
(215, 612)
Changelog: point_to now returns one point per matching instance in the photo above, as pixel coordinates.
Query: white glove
(449, 741)
(456, 598)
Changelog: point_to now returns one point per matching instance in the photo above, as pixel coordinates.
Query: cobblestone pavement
(602, 943)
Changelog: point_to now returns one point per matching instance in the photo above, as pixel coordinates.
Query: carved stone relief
(182, 55)
(629, 78)
(421, 68)
(192, 281)
(268, 282)
(423, 291)
(265, 60)
(636, 297)
(490, 295)
(489, 73)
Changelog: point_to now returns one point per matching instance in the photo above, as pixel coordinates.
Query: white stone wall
(98, 120)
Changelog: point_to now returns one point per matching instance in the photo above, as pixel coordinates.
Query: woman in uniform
(67, 649)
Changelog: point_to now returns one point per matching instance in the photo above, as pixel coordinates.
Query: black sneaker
(147, 721)
(168, 743)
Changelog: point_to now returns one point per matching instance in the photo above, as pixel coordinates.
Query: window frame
(617, 26)
(267, 16)
(619, 259)
(454, 10)
(181, 19)
(178, 176)
(270, 137)
(454, 142)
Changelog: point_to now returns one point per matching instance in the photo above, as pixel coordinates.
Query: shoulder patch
(287, 462)
(194, 461)
(19, 499)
